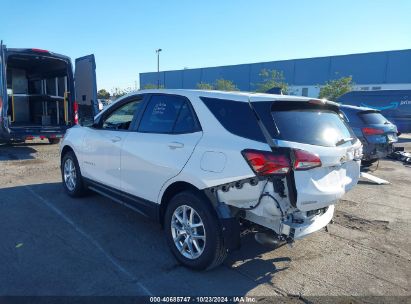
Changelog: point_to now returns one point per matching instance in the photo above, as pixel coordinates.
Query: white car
(202, 163)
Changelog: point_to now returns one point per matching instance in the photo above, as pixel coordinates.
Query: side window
(186, 122)
(121, 118)
(167, 114)
(236, 117)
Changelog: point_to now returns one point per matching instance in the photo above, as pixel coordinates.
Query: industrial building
(390, 70)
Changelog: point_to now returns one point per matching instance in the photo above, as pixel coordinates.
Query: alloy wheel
(70, 175)
(188, 232)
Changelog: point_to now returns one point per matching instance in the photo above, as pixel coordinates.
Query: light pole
(158, 67)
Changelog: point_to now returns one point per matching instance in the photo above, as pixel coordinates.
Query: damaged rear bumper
(289, 229)
(274, 211)
(377, 151)
(298, 231)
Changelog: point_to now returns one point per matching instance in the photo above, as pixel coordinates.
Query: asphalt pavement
(51, 244)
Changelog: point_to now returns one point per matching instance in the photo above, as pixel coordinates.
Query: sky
(124, 34)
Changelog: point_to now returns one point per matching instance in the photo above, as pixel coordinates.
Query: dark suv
(376, 133)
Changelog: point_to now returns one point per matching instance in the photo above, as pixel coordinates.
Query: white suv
(202, 163)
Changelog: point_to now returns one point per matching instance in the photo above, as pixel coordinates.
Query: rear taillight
(372, 131)
(267, 163)
(304, 160)
(75, 112)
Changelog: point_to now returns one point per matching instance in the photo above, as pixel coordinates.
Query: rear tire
(54, 141)
(195, 240)
(71, 175)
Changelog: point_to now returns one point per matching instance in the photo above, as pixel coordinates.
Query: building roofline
(283, 60)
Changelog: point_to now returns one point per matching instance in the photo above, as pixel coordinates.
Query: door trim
(145, 207)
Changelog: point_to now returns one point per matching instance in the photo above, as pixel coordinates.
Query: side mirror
(96, 123)
(88, 122)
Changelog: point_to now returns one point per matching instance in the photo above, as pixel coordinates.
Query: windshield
(373, 118)
(312, 126)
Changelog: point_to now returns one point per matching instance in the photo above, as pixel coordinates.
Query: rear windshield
(372, 118)
(312, 126)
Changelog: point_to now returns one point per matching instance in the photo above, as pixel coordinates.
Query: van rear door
(86, 89)
(3, 92)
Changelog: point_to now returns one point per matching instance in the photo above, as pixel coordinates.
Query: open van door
(86, 89)
(3, 89)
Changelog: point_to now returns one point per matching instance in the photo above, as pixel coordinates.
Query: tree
(220, 85)
(103, 94)
(333, 89)
(117, 92)
(272, 79)
(225, 85)
(204, 86)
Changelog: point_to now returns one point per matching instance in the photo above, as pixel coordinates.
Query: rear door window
(372, 118)
(186, 121)
(168, 114)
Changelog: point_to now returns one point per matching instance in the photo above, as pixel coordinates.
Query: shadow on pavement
(248, 260)
(16, 152)
(52, 244)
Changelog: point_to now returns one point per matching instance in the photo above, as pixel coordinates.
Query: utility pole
(158, 67)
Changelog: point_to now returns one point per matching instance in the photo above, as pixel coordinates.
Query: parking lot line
(120, 268)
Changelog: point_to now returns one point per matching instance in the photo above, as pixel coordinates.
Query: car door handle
(175, 145)
(115, 139)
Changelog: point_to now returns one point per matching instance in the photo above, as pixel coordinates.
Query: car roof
(239, 96)
(233, 95)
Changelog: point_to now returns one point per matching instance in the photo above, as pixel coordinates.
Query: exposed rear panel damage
(298, 182)
(266, 202)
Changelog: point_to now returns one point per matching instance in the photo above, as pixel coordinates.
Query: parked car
(100, 105)
(395, 105)
(202, 162)
(376, 133)
(103, 103)
(37, 94)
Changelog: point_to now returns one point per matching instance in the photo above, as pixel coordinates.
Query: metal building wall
(370, 68)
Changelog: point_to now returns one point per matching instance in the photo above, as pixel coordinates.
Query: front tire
(71, 175)
(193, 232)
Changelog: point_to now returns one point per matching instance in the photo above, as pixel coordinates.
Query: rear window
(312, 126)
(372, 118)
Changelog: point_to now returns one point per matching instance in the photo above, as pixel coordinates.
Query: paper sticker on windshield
(159, 108)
